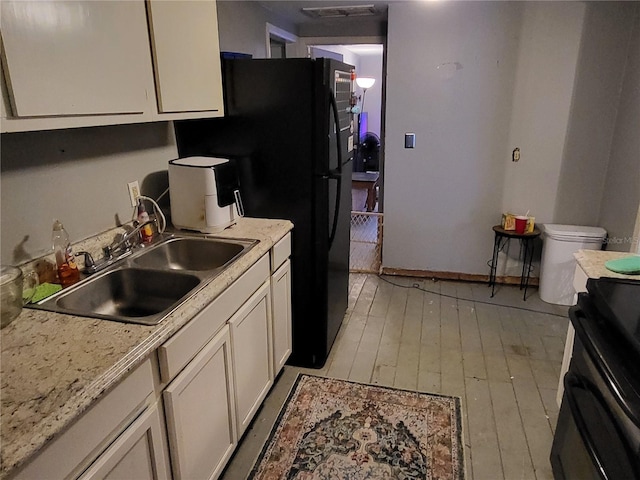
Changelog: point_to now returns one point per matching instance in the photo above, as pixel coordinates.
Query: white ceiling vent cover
(346, 11)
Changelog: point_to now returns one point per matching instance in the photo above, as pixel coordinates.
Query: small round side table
(527, 247)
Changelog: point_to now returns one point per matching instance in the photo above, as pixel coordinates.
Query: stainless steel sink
(129, 292)
(195, 254)
(152, 282)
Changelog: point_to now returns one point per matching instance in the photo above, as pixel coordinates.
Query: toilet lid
(574, 232)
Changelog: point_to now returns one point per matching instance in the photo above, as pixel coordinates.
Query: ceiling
(292, 10)
(365, 49)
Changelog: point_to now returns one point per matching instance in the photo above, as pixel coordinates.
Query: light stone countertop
(55, 366)
(592, 262)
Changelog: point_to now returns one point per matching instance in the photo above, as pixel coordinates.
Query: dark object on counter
(229, 55)
(280, 127)
(598, 430)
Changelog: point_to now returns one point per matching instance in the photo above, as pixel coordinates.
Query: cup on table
(521, 223)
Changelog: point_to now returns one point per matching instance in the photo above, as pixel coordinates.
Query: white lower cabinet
(251, 350)
(111, 421)
(212, 376)
(199, 404)
(281, 301)
(139, 452)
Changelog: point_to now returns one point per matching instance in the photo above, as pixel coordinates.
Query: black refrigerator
(289, 130)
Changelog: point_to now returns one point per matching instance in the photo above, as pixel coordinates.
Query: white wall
(545, 76)
(347, 55)
(442, 197)
(78, 176)
(242, 27)
(594, 107)
(542, 76)
(620, 208)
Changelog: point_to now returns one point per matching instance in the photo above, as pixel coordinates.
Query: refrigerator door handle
(239, 204)
(336, 174)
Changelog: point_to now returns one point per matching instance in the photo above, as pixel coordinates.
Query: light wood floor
(501, 356)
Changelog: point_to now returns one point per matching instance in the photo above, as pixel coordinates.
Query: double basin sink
(148, 285)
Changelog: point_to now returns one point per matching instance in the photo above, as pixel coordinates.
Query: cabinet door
(88, 437)
(281, 300)
(75, 57)
(139, 452)
(251, 348)
(199, 407)
(186, 55)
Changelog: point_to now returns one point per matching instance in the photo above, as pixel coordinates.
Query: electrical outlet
(134, 192)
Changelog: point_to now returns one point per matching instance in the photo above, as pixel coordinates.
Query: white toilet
(558, 265)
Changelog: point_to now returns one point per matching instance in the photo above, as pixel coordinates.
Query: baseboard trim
(464, 277)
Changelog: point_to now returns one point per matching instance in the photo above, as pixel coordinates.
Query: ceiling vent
(345, 11)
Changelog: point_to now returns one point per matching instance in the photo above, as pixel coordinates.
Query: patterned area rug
(333, 429)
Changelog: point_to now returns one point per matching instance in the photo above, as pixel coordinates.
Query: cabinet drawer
(92, 433)
(280, 252)
(175, 353)
(139, 453)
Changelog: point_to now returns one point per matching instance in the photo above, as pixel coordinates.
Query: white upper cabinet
(83, 63)
(186, 55)
(74, 58)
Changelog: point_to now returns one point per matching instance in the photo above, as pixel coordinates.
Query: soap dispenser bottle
(146, 233)
(68, 272)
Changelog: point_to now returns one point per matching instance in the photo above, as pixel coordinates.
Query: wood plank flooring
(501, 356)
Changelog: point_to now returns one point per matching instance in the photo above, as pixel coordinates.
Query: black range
(598, 430)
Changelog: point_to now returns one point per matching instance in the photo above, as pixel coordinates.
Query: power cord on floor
(418, 287)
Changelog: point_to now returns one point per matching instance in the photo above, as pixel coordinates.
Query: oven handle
(573, 381)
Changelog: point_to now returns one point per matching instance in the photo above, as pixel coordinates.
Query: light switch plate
(409, 140)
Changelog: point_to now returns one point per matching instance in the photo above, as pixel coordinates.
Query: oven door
(597, 435)
(588, 443)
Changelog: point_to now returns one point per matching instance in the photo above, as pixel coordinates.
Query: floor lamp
(364, 83)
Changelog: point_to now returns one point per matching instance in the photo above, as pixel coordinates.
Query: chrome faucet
(115, 251)
(124, 244)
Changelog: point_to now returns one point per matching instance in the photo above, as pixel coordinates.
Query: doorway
(367, 216)
(279, 41)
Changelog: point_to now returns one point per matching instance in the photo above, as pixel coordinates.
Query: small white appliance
(204, 194)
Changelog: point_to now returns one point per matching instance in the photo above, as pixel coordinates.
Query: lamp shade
(365, 82)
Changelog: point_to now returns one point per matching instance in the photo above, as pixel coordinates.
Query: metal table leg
(529, 248)
(494, 261)
(492, 267)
